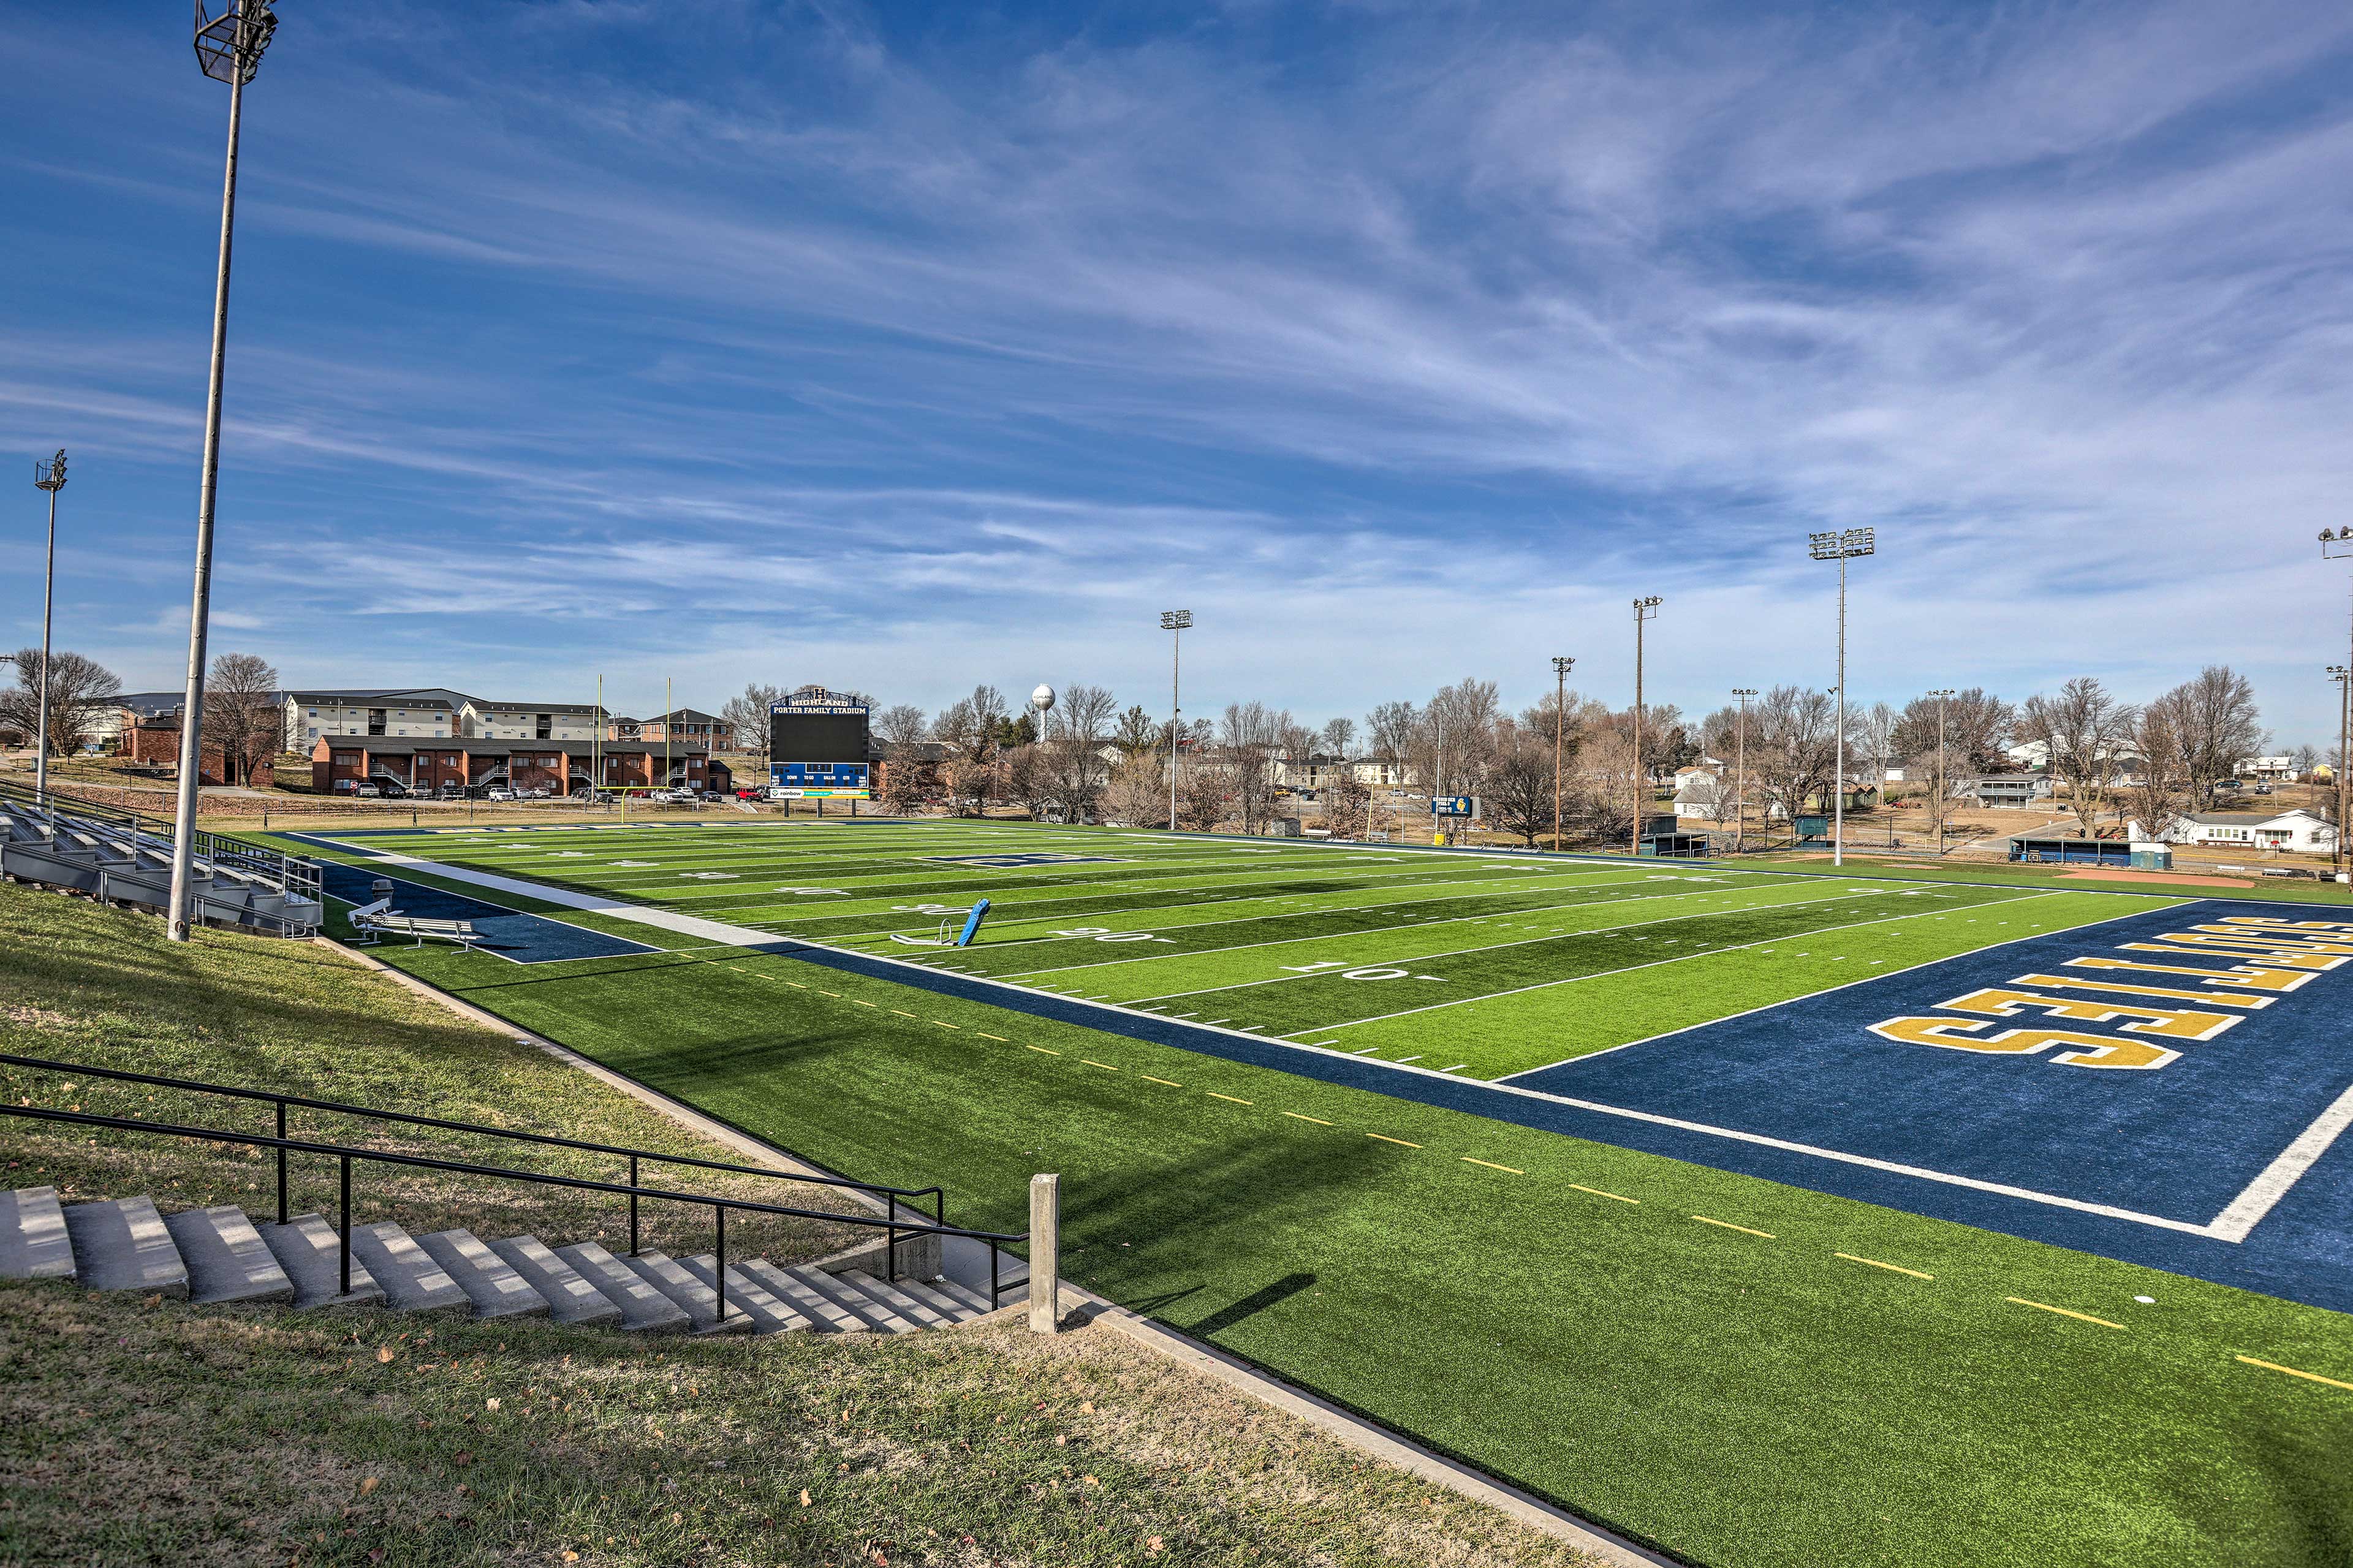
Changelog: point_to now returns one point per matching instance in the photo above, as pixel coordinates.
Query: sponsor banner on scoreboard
(817, 699)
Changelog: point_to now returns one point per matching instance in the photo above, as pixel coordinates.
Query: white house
(1703, 793)
(2298, 831)
(2267, 769)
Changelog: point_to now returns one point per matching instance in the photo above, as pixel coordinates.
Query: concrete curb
(1345, 1426)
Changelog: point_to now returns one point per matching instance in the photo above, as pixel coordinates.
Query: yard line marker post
(1045, 1249)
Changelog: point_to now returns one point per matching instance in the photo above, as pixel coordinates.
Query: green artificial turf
(1608, 1327)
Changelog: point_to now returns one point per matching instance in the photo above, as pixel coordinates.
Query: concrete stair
(214, 1256)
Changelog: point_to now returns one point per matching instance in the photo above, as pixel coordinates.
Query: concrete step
(412, 1280)
(770, 1314)
(699, 1301)
(643, 1309)
(873, 1312)
(975, 1301)
(930, 1294)
(902, 1301)
(489, 1280)
(306, 1247)
(570, 1298)
(33, 1241)
(825, 1314)
(226, 1259)
(123, 1245)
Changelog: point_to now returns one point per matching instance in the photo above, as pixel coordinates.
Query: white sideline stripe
(1679, 958)
(1866, 980)
(2247, 1210)
(1462, 951)
(2314, 1139)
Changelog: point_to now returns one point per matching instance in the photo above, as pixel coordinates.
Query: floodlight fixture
(1175, 620)
(2337, 545)
(230, 46)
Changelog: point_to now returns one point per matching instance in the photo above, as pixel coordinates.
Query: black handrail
(937, 1195)
(346, 1154)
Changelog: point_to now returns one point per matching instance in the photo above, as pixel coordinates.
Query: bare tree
(902, 784)
(1518, 792)
(1874, 739)
(79, 687)
(1347, 807)
(1201, 795)
(972, 781)
(901, 728)
(1457, 737)
(1337, 736)
(2156, 792)
(1137, 793)
(973, 725)
(1793, 748)
(746, 713)
(1978, 725)
(2220, 728)
(1251, 734)
(2087, 734)
(1390, 731)
(1028, 781)
(242, 718)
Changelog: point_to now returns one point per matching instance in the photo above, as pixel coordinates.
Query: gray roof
(385, 696)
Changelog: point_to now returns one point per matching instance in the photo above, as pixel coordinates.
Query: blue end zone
(510, 933)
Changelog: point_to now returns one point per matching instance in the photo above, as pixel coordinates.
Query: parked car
(365, 790)
(749, 794)
(451, 792)
(391, 789)
(499, 792)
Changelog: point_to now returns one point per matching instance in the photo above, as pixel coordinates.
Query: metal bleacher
(121, 857)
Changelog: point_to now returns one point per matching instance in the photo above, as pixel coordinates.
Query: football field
(1597, 1172)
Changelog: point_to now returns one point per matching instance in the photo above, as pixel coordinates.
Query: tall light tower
(1938, 817)
(1644, 610)
(50, 477)
(1174, 622)
(2332, 547)
(1561, 664)
(228, 48)
(1840, 548)
(1740, 771)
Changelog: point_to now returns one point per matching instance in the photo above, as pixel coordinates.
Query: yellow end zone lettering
(2083, 1050)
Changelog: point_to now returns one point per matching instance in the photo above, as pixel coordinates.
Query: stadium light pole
(1644, 610)
(1561, 664)
(1174, 623)
(1740, 770)
(2335, 547)
(50, 477)
(1840, 548)
(228, 48)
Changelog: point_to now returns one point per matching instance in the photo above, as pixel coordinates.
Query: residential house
(2297, 831)
(2010, 790)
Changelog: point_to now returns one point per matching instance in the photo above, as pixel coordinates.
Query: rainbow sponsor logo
(2131, 1011)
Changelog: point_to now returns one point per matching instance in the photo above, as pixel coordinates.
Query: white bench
(379, 920)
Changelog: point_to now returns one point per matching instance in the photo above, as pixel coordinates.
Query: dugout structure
(817, 744)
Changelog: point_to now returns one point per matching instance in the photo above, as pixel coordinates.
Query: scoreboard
(817, 743)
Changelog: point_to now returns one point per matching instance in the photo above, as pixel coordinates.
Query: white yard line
(2247, 1210)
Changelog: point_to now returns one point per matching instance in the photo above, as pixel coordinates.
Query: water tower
(1043, 699)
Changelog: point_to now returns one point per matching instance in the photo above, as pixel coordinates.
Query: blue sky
(908, 346)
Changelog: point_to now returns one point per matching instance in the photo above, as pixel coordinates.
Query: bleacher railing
(895, 1228)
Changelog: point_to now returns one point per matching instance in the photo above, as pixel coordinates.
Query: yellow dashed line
(903, 1015)
(1215, 1095)
(946, 1026)
(795, 984)
(1170, 1081)
(1597, 1192)
(2084, 1317)
(2274, 1366)
(1105, 1065)
(1891, 1267)
(1489, 1164)
(1042, 1050)
(1729, 1225)
(1317, 1120)
(1387, 1139)
(1000, 1039)
(862, 1004)
(835, 994)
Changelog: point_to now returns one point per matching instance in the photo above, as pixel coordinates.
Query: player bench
(377, 921)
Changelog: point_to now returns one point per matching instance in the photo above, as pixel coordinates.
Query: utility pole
(2335, 547)
(229, 49)
(1937, 816)
(50, 477)
(1174, 623)
(1840, 548)
(1740, 771)
(1644, 610)
(1560, 669)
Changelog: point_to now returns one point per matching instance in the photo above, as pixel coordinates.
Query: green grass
(1742, 1398)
